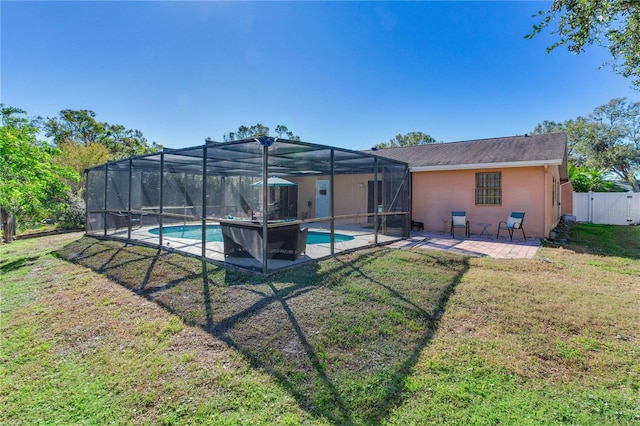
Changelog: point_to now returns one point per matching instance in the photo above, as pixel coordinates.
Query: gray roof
(511, 151)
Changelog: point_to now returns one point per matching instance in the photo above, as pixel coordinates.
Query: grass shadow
(341, 335)
(8, 266)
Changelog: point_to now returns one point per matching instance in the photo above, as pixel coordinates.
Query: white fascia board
(505, 165)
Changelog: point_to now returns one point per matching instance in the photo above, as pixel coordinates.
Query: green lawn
(96, 331)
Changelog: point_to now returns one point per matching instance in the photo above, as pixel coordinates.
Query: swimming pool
(214, 234)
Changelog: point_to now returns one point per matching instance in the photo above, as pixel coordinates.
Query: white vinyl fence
(610, 208)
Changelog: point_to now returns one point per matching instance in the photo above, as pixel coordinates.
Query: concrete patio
(476, 245)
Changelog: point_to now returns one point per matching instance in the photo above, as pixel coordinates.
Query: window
(488, 188)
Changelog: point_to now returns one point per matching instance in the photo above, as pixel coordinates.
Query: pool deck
(476, 245)
(362, 237)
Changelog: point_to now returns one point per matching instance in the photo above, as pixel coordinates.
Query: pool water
(214, 234)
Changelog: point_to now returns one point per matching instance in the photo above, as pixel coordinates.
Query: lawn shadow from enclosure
(341, 335)
(6, 266)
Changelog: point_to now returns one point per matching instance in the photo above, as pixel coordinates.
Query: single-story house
(489, 179)
(223, 200)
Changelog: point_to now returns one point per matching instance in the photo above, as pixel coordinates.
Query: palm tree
(585, 179)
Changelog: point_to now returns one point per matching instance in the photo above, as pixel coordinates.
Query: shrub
(71, 212)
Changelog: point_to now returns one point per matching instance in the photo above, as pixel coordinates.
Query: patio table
(485, 226)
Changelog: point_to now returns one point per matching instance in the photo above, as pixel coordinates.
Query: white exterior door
(322, 198)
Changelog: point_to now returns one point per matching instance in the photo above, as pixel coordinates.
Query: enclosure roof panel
(245, 158)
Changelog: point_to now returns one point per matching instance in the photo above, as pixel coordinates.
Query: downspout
(545, 222)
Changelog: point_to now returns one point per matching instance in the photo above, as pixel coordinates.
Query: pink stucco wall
(435, 194)
(528, 189)
(567, 198)
(350, 194)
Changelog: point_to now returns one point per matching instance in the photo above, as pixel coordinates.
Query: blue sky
(346, 74)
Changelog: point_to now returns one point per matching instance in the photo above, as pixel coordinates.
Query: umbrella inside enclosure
(276, 181)
(283, 198)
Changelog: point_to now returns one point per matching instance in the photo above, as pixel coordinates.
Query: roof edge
(512, 164)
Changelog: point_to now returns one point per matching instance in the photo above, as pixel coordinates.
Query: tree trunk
(8, 226)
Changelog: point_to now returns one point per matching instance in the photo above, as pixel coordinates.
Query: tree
(581, 135)
(74, 126)
(282, 131)
(410, 139)
(614, 24)
(79, 127)
(585, 180)
(124, 143)
(608, 140)
(78, 158)
(257, 131)
(616, 147)
(30, 184)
